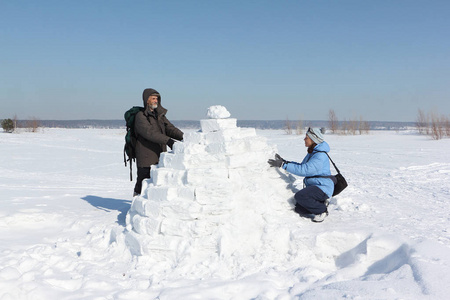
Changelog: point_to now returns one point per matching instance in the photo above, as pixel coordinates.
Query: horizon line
(185, 120)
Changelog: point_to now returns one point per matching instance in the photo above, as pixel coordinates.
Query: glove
(170, 143)
(277, 162)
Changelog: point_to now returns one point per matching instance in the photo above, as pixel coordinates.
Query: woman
(315, 167)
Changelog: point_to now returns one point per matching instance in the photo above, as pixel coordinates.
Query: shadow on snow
(110, 204)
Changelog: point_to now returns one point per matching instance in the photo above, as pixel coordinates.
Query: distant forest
(258, 124)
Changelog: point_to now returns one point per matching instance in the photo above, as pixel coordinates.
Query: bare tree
(288, 126)
(436, 130)
(446, 122)
(344, 127)
(422, 122)
(352, 126)
(33, 124)
(364, 126)
(333, 121)
(15, 121)
(432, 124)
(300, 126)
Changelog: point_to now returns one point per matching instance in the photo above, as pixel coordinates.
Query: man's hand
(170, 143)
(277, 162)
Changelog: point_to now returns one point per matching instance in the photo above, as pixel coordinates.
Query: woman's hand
(277, 162)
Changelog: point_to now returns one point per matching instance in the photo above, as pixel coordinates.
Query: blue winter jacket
(315, 163)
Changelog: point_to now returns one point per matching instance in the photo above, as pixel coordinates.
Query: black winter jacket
(153, 132)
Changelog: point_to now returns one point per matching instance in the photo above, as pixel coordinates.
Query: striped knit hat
(315, 135)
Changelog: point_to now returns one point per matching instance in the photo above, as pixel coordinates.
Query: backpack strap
(131, 171)
(130, 160)
(124, 156)
(334, 165)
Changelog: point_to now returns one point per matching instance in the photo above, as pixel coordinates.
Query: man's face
(152, 102)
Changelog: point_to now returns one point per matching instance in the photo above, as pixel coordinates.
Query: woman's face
(308, 141)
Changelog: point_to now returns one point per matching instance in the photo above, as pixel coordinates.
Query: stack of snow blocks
(190, 192)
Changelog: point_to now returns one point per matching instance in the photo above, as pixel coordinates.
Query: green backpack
(129, 149)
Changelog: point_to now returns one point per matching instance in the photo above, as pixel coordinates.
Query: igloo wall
(213, 185)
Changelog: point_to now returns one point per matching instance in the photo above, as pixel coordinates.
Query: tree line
(11, 125)
(345, 127)
(432, 124)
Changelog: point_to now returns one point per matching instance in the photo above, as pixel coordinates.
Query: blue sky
(263, 60)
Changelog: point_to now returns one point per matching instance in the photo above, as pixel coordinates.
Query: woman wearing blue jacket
(315, 167)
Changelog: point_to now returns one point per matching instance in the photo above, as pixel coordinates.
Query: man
(154, 133)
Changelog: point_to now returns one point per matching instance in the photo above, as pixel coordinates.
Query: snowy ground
(64, 195)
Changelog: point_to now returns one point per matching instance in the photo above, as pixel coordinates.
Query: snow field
(65, 194)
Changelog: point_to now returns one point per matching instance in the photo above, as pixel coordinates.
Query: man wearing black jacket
(154, 133)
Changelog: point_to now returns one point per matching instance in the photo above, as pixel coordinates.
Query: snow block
(152, 209)
(256, 143)
(181, 147)
(194, 228)
(164, 193)
(152, 226)
(217, 124)
(247, 132)
(205, 227)
(160, 246)
(217, 210)
(146, 183)
(170, 177)
(198, 177)
(139, 223)
(174, 227)
(223, 135)
(180, 209)
(183, 161)
(231, 147)
(250, 159)
(145, 225)
(165, 159)
(213, 194)
(193, 137)
(237, 175)
(138, 206)
(133, 242)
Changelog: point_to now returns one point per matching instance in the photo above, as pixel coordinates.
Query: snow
(65, 196)
(217, 112)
